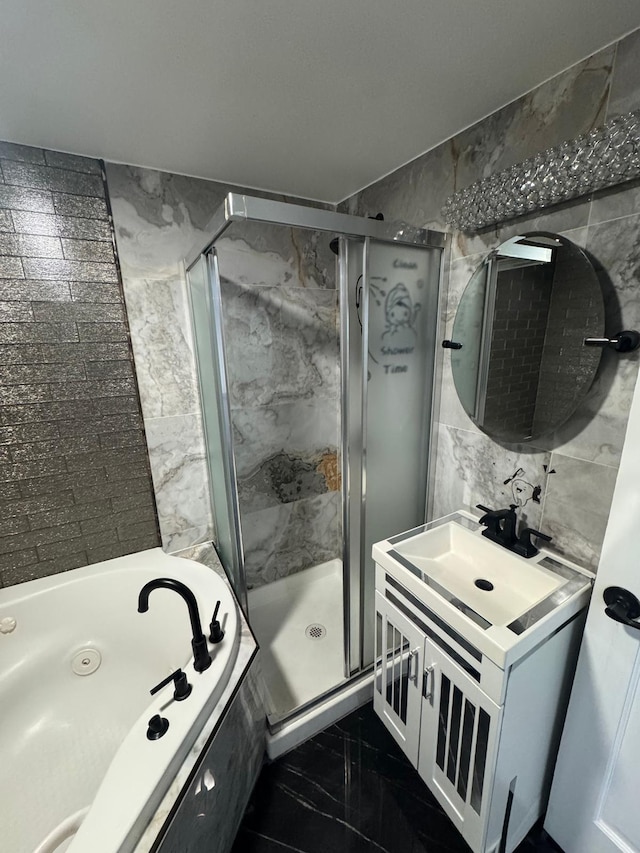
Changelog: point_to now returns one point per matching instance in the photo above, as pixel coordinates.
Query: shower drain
(316, 631)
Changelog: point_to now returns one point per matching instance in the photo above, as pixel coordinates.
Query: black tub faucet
(201, 656)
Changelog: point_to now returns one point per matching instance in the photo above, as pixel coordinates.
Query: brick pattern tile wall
(567, 372)
(520, 320)
(75, 486)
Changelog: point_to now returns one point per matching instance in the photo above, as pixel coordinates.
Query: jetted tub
(77, 661)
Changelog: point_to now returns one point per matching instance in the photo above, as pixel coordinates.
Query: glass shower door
(304, 415)
(279, 310)
(392, 352)
(204, 292)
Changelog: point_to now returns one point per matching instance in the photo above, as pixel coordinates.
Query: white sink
(495, 582)
(444, 565)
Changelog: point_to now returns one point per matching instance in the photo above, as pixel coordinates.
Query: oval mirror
(522, 368)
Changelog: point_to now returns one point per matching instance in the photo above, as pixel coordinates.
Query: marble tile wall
(279, 310)
(158, 217)
(280, 315)
(576, 466)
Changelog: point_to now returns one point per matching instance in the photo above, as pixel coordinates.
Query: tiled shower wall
(74, 476)
(280, 310)
(158, 218)
(576, 465)
(280, 339)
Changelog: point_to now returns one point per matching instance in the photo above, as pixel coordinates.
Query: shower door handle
(412, 666)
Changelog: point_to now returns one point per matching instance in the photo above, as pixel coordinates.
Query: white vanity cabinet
(482, 729)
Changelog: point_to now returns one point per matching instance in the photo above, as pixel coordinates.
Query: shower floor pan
(297, 621)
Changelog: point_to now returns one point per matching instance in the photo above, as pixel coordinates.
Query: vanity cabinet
(399, 707)
(459, 728)
(483, 737)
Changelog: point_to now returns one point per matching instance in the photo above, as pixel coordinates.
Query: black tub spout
(201, 656)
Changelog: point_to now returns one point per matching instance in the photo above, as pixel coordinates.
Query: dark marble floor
(350, 790)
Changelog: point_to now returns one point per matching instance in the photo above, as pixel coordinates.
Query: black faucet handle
(524, 546)
(485, 508)
(182, 686)
(497, 513)
(216, 634)
(529, 531)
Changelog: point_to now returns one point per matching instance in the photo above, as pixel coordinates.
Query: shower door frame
(238, 207)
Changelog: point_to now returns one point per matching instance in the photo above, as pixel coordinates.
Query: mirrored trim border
(433, 636)
(442, 592)
(605, 157)
(470, 524)
(575, 582)
(438, 621)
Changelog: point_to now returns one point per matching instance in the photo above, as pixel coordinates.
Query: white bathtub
(74, 743)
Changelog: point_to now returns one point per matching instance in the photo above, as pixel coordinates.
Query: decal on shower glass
(401, 324)
(393, 329)
(395, 312)
(399, 335)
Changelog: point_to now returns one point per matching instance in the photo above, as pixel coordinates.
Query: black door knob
(157, 727)
(622, 606)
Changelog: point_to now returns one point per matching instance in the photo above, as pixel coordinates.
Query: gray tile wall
(282, 362)
(74, 475)
(520, 320)
(575, 310)
(280, 311)
(576, 465)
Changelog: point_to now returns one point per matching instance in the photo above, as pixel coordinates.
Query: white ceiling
(315, 99)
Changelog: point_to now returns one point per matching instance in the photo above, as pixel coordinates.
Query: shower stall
(315, 337)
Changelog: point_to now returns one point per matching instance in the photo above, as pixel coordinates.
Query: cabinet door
(397, 694)
(458, 744)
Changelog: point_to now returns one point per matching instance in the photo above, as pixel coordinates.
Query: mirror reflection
(522, 368)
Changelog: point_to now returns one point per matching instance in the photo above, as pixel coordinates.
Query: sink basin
(494, 582)
(496, 605)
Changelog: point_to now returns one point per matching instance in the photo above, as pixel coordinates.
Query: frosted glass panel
(402, 319)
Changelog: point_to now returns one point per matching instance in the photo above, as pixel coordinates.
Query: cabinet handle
(427, 684)
(413, 670)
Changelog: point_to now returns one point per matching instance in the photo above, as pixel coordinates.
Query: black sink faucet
(501, 525)
(201, 656)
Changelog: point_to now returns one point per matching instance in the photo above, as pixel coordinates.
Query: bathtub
(77, 662)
